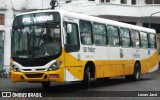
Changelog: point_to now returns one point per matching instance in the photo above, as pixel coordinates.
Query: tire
(46, 84)
(87, 78)
(136, 74)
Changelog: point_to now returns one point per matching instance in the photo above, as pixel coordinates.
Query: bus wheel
(137, 72)
(45, 84)
(86, 81)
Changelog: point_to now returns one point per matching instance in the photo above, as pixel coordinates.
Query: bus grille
(34, 75)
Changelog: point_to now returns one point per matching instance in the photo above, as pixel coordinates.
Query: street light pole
(150, 18)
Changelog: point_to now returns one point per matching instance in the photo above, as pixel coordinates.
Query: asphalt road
(115, 88)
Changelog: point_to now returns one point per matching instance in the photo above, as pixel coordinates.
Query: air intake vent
(34, 75)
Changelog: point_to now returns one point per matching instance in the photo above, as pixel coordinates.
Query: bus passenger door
(71, 48)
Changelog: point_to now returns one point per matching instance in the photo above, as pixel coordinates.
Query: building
(137, 12)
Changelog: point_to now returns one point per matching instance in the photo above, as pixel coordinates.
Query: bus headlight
(15, 68)
(55, 65)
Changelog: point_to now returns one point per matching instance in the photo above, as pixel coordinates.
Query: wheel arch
(91, 66)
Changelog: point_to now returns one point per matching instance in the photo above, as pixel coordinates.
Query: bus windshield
(36, 35)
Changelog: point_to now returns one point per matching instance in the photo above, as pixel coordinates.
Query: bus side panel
(127, 60)
(155, 63)
(144, 57)
(102, 68)
(148, 59)
(151, 63)
(74, 66)
(101, 61)
(116, 61)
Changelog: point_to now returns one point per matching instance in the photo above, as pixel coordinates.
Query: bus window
(135, 38)
(144, 40)
(125, 37)
(86, 32)
(152, 41)
(113, 36)
(100, 36)
(71, 40)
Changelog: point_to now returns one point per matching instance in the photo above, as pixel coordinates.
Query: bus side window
(135, 38)
(144, 40)
(152, 41)
(100, 35)
(125, 37)
(86, 32)
(113, 35)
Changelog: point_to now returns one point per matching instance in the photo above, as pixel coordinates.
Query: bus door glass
(71, 42)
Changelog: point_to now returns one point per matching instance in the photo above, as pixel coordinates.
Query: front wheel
(86, 81)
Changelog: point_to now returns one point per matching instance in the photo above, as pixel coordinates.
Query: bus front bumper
(57, 76)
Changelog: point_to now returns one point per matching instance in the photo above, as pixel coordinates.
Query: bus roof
(95, 19)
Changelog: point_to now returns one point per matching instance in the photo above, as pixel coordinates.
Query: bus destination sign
(37, 19)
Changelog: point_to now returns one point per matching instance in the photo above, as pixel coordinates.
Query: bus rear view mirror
(69, 28)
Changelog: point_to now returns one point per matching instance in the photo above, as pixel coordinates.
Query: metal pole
(150, 18)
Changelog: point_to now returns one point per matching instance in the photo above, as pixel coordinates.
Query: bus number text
(88, 49)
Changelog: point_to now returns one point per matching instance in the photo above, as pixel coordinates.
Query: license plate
(16, 76)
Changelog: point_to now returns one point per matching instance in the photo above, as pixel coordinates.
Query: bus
(62, 46)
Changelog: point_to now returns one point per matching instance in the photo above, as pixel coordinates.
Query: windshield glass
(36, 36)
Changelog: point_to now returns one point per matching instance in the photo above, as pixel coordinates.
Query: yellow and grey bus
(61, 46)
